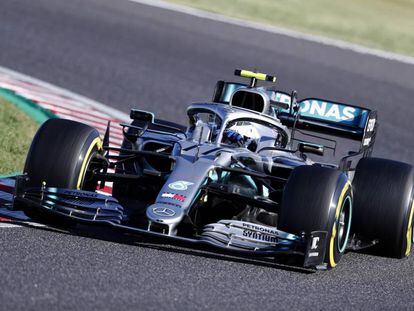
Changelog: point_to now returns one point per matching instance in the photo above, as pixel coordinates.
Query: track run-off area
(125, 54)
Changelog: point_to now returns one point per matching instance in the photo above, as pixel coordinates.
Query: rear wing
(314, 114)
(332, 118)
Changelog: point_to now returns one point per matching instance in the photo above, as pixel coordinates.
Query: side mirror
(280, 100)
(279, 104)
(132, 132)
(141, 115)
(305, 147)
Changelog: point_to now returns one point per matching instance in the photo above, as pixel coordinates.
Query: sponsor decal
(338, 113)
(371, 125)
(80, 193)
(367, 141)
(260, 236)
(328, 110)
(281, 98)
(260, 228)
(313, 254)
(315, 242)
(369, 132)
(180, 185)
(260, 233)
(163, 211)
(174, 196)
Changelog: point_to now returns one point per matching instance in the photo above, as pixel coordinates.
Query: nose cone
(165, 214)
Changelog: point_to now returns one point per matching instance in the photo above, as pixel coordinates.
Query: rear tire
(59, 156)
(318, 199)
(384, 204)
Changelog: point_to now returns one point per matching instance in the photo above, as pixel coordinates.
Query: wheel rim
(95, 146)
(344, 224)
(86, 183)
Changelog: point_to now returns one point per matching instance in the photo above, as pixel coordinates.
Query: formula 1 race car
(237, 179)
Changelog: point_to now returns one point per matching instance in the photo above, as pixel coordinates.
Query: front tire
(60, 153)
(317, 198)
(384, 204)
(59, 156)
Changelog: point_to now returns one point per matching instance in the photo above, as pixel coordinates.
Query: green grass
(17, 131)
(383, 24)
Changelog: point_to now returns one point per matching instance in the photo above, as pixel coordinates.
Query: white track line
(278, 30)
(9, 225)
(13, 225)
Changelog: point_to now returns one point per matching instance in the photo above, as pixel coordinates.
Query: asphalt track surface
(129, 55)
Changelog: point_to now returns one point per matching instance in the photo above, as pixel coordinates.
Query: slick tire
(383, 204)
(317, 198)
(59, 156)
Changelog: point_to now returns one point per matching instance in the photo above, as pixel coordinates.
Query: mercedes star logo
(163, 211)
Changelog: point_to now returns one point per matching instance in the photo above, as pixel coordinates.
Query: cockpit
(222, 124)
(205, 126)
(241, 115)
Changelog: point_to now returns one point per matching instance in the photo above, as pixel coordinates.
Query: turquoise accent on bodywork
(315, 109)
(323, 111)
(251, 181)
(229, 89)
(341, 114)
(340, 117)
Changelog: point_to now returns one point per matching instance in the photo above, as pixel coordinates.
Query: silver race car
(239, 178)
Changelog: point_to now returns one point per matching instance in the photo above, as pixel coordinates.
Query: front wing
(236, 237)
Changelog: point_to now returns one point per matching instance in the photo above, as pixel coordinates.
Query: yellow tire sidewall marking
(332, 261)
(96, 142)
(409, 231)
